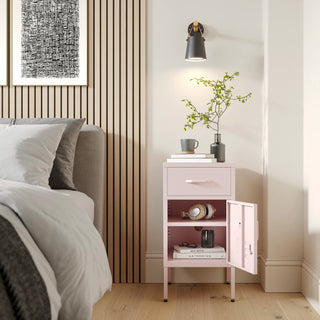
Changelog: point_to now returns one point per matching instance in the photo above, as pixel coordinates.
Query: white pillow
(27, 152)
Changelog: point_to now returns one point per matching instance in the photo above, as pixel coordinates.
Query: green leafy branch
(217, 106)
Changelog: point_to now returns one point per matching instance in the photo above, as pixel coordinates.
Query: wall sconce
(195, 43)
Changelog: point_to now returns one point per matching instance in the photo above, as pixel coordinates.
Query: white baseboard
(280, 275)
(154, 273)
(311, 286)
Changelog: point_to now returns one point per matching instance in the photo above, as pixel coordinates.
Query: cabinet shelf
(215, 222)
(195, 263)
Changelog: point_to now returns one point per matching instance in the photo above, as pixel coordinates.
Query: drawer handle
(196, 181)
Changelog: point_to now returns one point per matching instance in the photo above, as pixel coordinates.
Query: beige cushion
(89, 168)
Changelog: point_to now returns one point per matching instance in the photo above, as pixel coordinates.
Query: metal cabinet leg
(228, 275)
(165, 284)
(233, 284)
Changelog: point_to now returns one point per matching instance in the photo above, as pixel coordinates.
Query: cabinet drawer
(199, 181)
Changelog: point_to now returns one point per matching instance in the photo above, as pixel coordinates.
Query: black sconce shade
(195, 43)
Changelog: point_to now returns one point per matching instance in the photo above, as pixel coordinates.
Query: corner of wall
(311, 286)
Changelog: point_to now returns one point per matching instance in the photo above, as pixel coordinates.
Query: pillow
(6, 121)
(62, 172)
(27, 152)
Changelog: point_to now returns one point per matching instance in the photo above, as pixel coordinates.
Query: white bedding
(69, 242)
(82, 200)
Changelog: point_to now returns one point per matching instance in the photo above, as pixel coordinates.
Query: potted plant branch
(216, 107)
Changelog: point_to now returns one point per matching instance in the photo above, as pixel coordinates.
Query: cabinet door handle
(196, 181)
(250, 249)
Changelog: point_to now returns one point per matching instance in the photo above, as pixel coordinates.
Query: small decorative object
(186, 244)
(189, 145)
(218, 148)
(50, 42)
(198, 212)
(3, 43)
(207, 238)
(195, 43)
(216, 107)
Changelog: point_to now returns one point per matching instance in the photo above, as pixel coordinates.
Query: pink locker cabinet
(235, 223)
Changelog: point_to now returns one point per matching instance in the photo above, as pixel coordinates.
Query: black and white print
(50, 45)
(50, 39)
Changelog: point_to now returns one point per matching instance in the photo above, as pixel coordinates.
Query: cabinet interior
(176, 206)
(177, 235)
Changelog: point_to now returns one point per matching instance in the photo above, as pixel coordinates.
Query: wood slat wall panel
(110, 158)
(113, 100)
(129, 80)
(136, 142)
(123, 139)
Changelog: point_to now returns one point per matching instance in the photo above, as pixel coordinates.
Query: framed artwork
(49, 42)
(3, 43)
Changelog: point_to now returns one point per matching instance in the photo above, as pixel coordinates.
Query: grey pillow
(61, 176)
(6, 121)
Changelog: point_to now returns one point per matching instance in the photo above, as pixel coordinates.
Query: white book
(199, 249)
(192, 156)
(208, 160)
(209, 255)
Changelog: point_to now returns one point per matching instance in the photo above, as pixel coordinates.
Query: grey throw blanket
(23, 294)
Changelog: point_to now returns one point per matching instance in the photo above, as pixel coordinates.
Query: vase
(218, 148)
(207, 239)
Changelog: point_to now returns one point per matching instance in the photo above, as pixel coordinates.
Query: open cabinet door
(242, 235)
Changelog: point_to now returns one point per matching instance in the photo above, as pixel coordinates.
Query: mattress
(81, 200)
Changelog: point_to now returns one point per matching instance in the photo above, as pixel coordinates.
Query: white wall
(283, 184)
(311, 266)
(233, 32)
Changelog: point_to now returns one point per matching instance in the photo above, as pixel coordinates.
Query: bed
(53, 263)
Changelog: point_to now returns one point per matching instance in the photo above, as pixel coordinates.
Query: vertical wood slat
(110, 158)
(116, 132)
(103, 93)
(114, 100)
(97, 63)
(18, 102)
(44, 102)
(136, 146)
(52, 102)
(130, 142)
(123, 140)
(91, 63)
(143, 164)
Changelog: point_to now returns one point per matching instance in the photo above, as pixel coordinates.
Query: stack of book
(192, 157)
(199, 253)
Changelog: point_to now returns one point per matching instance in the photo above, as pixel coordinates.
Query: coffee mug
(188, 145)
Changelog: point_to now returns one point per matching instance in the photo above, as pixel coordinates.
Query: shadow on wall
(213, 34)
(249, 188)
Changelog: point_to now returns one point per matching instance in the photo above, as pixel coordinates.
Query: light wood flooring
(200, 302)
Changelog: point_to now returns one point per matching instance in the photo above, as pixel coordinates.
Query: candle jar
(207, 238)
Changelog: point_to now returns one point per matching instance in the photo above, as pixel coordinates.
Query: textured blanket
(23, 294)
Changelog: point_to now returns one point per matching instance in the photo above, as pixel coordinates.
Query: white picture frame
(53, 63)
(3, 43)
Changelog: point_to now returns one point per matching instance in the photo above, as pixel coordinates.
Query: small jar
(207, 238)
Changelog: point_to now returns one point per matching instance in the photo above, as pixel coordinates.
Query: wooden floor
(200, 302)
